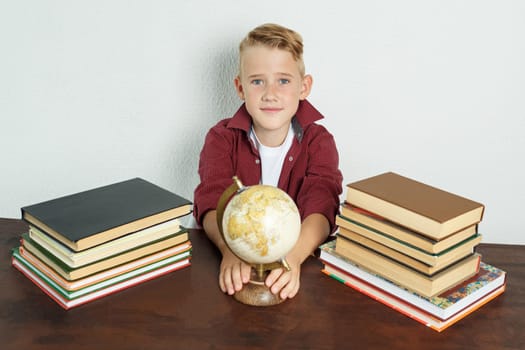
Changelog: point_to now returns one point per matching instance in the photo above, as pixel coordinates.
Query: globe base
(256, 293)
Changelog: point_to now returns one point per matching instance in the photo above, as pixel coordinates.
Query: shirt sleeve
(215, 171)
(322, 184)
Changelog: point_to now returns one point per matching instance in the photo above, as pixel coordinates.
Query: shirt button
(257, 161)
(290, 158)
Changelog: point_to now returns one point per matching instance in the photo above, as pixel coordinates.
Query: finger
(273, 276)
(280, 283)
(291, 289)
(236, 277)
(222, 285)
(226, 279)
(246, 271)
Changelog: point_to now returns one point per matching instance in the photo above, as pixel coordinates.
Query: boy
(272, 139)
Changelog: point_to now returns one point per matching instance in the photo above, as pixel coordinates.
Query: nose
(270, 93)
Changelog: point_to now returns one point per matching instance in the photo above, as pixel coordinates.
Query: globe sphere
(261, 224)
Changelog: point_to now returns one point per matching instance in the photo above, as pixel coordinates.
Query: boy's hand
(314, 230)
(234, 273)
(285, 283)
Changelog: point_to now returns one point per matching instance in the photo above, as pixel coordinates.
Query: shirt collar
(306, 114)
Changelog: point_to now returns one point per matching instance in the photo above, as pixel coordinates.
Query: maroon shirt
(310, 173)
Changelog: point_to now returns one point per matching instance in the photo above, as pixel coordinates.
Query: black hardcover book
(86, 219)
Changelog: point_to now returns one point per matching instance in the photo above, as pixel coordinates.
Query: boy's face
(271, 85)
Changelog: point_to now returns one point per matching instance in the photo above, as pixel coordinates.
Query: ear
(238, 87)
(306, 87)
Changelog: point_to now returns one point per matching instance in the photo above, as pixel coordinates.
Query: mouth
(271, 109)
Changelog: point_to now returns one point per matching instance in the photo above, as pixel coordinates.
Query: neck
(273, 138)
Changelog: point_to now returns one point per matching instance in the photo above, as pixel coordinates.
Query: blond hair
(275, 36)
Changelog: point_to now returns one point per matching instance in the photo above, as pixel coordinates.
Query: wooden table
(186, 310)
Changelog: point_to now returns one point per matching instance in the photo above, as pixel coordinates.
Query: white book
(105, 250)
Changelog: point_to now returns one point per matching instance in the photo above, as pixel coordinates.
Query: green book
(69, 273)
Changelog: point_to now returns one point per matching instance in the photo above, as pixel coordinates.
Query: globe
(261, 224)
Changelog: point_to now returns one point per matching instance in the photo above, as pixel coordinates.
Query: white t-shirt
(272, 158)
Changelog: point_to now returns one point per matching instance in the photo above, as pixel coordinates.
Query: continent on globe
(261, 224)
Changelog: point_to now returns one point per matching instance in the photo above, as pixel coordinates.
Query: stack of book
(90, 244)
(412, 247)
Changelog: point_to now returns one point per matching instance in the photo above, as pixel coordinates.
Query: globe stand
(255, 292)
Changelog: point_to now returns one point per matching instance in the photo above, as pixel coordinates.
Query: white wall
(93, 92)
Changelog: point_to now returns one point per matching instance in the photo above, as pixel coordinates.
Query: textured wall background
(101, 91)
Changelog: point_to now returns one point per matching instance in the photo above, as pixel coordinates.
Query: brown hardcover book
(393, 231)
(407, 277)
(439, 262)
(86, 219)
(422, 208)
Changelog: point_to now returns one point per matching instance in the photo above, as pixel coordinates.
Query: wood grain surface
(187, 310)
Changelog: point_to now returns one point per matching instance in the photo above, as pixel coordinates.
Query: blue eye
(257, 81)
(284, 81)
